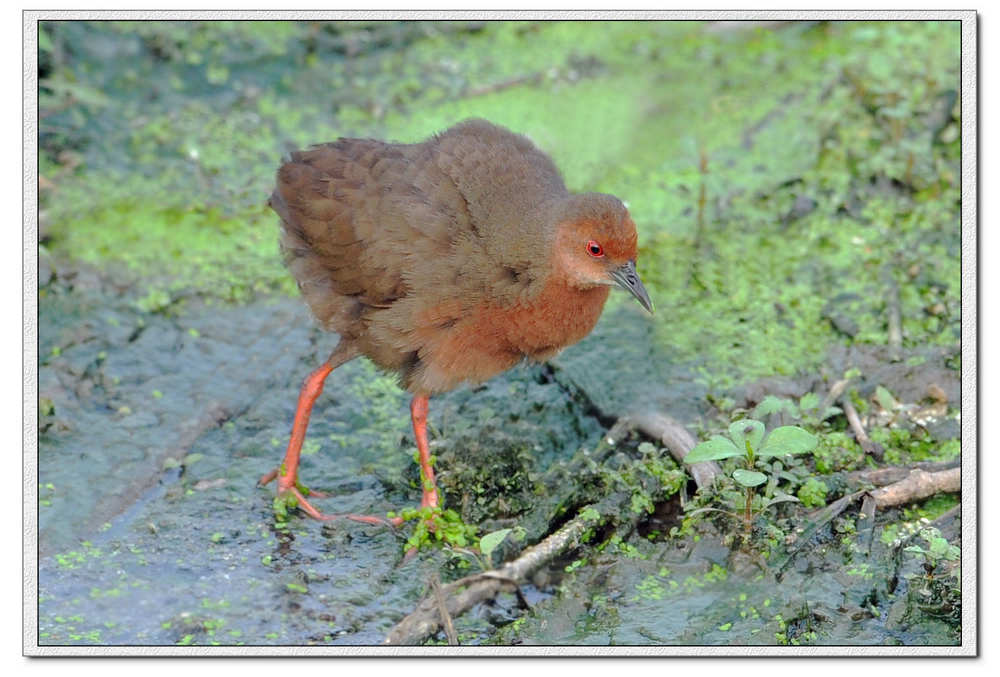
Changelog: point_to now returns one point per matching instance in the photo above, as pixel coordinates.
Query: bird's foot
(292, 494)
(303, 489)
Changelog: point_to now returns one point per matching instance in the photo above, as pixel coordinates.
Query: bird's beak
(629, 280)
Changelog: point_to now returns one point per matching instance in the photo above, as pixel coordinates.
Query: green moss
(763, 168)
(813, 493)
(904, 446)
(932, 508)
(837, 451)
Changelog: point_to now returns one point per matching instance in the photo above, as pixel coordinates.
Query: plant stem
(747, 516)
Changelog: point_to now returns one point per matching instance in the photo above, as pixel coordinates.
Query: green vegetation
(436, 525)
(813, 493)
(748, 443)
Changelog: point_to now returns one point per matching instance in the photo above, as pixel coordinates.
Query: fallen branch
(836, 390)
(917, 486)
(869, 447)
(880, 477)
(449, 601)
(814, 522)
(676, 438)
(463, 594)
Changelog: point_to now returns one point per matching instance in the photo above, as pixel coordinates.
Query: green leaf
(749, 478)
(746, 430)
(787, 440)
(885, 399)
(939, 547)
(809, 401)
(712, 450)
(773, 405)
(830, 411)
(489, 542)
(781, 497)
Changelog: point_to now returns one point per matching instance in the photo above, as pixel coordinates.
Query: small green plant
(436, 524)
(488, 543)
(747, 441)
(808, 409)
(940, 592)
(938, 551)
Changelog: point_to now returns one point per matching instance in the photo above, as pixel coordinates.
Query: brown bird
(447, 261)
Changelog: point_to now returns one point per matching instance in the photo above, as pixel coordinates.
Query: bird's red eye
(595, 249)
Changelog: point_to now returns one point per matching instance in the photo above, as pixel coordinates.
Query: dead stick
(836, 390)
(917, 486)
(947, 516)
(449, 627)
(465, 593)
(880, 477)
(676, 438)
(869, 447)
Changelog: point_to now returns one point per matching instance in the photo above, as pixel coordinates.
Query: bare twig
(676, 438)
(454, 599)
(449, 627)
(945, 517)
(836, 390)
(866, 533)
(814, 522)
(880, 477)
(869, 447)
(917, 486)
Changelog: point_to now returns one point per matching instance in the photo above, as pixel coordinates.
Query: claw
(292, 497)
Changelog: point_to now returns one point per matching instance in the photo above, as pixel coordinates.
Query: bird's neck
(558, 317)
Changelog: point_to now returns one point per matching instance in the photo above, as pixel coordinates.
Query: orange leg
(288, 473)
(418, 412)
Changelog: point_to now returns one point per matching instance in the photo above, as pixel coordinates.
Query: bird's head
(595, 244)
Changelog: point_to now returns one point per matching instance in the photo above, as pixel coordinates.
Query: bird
(445, 262)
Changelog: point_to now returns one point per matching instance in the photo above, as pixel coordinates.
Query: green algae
(711, 139)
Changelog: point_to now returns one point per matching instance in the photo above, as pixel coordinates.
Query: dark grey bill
(629, 280)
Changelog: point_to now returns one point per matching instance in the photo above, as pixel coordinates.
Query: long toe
(299, 500)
